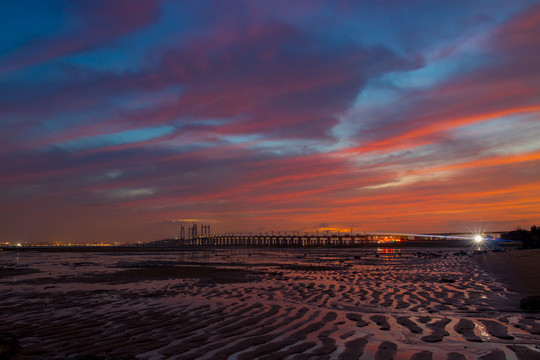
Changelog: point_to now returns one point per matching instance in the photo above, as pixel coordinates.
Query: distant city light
(478, 238)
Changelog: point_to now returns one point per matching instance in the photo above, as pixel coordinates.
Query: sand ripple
(346, 307)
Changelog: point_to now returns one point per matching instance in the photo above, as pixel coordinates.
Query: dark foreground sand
(518, 270)
(304, 304)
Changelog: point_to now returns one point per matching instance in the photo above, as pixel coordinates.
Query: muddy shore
(384, 303)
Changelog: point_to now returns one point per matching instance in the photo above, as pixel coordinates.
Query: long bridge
(192, 237)
(280, 240)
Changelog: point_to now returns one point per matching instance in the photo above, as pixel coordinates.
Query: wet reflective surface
(268, 304)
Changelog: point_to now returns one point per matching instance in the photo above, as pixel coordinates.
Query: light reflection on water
(388, 253)
(57, 264)
(66, 262)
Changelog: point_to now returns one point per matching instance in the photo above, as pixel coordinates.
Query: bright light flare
(478, 238)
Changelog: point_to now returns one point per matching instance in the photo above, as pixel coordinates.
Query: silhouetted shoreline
(150, 248)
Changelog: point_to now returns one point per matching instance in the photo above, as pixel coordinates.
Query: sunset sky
(122, 120)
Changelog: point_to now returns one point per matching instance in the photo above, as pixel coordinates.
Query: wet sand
(301, 304)
(519, 270)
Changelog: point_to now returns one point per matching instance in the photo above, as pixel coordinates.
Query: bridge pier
(190, 236)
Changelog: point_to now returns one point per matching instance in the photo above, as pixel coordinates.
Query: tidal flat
(312, 303)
